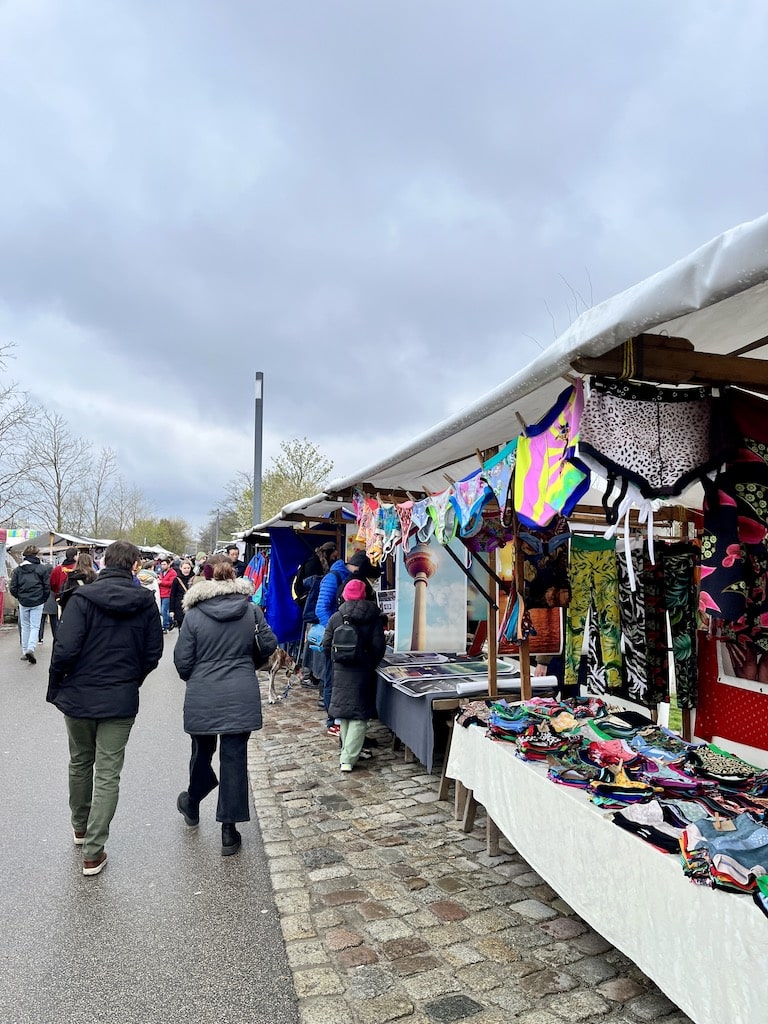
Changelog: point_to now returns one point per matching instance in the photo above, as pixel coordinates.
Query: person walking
(165, 581)
(233, 554)
(184, 580)
(59, 573)
(306, 588)
(84, 572)
(353, 693)
(108, 642)
(327, 604)
(214, 655)
(50, 612)
(30, 585)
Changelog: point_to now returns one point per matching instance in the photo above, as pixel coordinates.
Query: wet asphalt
(170, 930)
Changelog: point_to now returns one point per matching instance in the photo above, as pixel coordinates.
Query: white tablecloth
(707, 950)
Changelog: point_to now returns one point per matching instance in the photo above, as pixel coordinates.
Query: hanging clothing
(498, 472)
(549, 478)
(593, 578)
(545, 565)
(470, 495)
(661, 439)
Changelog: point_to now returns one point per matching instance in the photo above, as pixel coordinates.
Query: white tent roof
(53, 540)
(717, 298)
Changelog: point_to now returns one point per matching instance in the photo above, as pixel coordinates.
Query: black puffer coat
(107, 643)
(354, 685)
(30, 583)
(214, 656)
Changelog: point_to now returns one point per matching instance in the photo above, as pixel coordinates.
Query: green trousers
(96, 755)
(352, 733)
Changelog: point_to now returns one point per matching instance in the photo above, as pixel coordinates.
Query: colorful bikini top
(424, 523)
(443, 512)
(469, 498)
(405, 515)
(549, 478)
(498, 470)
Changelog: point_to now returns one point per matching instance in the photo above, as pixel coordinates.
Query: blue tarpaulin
(288, 552)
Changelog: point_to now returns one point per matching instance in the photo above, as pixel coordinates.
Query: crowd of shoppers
(107, 630)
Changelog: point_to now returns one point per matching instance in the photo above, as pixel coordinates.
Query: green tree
(299, 471)
(171, 534)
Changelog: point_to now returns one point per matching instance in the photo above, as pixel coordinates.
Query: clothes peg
(450, 479)
(522, 423)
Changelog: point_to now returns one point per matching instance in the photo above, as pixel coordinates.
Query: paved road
(170, 931)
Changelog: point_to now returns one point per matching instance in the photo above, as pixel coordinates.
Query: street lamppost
(257, 446)
(216, 538)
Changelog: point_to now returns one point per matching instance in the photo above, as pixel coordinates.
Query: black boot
(190, 811)
(230, 839)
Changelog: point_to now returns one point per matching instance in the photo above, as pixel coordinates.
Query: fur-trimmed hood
(205, 590)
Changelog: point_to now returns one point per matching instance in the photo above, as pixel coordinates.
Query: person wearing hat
(353, 692)
(60, 572)
(361, 567)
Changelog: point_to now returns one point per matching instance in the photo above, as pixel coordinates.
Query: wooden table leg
(445, 782)
(459, 800)
(491, 837)
(470, 809)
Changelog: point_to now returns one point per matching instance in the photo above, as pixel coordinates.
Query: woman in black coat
(214, 656)
(353, 696)
(184, 580)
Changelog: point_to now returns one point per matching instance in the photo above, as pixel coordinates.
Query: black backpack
(344, 643)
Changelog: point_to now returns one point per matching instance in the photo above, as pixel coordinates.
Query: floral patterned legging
(593, 581)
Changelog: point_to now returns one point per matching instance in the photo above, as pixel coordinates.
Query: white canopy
(717, 298)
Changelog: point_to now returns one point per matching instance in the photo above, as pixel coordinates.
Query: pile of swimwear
(690, 799)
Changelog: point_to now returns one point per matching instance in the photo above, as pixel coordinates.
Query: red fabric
(165, 582)
(59, 575)
(728, 711)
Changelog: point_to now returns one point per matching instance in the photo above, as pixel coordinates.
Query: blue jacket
(329, 587)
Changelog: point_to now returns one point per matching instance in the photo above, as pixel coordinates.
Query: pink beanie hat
(354, 591)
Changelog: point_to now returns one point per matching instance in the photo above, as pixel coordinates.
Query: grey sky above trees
(388, 208)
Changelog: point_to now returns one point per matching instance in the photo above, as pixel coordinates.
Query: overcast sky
(377, 204)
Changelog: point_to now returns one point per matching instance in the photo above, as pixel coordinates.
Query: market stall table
(706, 949)
(411, 716)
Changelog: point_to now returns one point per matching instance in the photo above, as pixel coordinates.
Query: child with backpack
(354, 642)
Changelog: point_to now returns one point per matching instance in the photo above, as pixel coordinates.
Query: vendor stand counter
(706, 949)
(407, 707)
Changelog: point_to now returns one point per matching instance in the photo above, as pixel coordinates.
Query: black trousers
(233, 767)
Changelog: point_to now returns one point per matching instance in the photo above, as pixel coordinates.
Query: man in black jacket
(108, 642)
(30, 585)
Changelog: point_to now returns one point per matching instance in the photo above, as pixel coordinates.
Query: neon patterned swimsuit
(549, 479)
(443, 512)
(498, 470)
(387, 529)
(425, 525)
(405, 515)
(469, 498)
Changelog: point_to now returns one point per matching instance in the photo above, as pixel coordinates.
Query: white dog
(280, 661)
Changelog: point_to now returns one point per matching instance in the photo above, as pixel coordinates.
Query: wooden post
(525, 653)
(493, 629)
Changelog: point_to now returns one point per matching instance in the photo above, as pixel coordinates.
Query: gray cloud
(374, 204)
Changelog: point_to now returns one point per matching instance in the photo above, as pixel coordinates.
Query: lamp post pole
(257, 446)
(216, 538)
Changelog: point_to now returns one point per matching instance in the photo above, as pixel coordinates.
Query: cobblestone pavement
(391, 912)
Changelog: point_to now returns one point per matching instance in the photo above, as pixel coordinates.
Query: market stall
(651, 402)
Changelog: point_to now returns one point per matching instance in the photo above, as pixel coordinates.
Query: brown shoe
(93, 867)
(78, 836)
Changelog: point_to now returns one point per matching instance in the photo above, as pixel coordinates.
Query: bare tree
(17, 418)
(128, 507)
(63, 466)
(98, 493)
